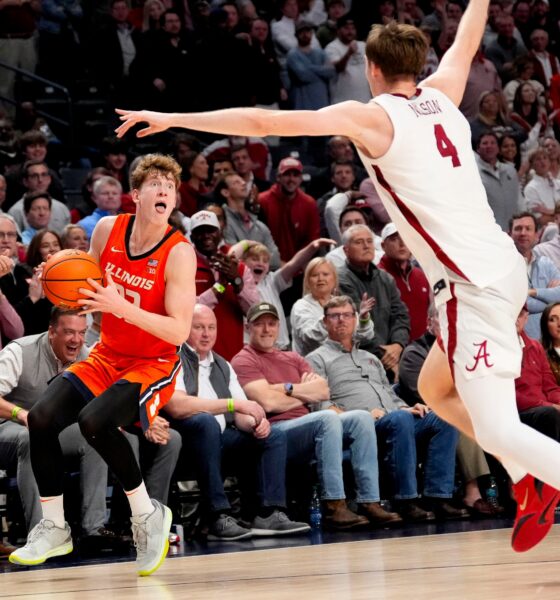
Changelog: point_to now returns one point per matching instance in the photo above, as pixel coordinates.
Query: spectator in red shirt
(291, 214)
(411, 281)
(536, 390)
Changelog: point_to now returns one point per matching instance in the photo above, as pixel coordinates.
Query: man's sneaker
(536, 502)
(151, 538)
(225, 528)
(277, 523)
(44, 541)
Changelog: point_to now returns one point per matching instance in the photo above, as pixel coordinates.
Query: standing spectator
(222, 283)
(347, 55)
(410, 279)
(524, 69)
(360, 276)
(343, 177)
(107, 197)
(243, 166)
(290, 213)
(492, 116)
(320, 283)
(36, 178)
(257, 148)
(499, 179)
(542, 273)
(528, 112)
(309, 71)
(18, 28)
(326, 31)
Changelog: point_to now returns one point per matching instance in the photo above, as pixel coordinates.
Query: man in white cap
(410, 279)
(290, 213)
(222, 282)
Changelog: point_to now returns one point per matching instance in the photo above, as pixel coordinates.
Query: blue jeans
(323, 436)
(204, 440)
(399, 433)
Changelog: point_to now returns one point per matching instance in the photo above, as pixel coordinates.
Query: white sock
(140, 503)
(53, 509)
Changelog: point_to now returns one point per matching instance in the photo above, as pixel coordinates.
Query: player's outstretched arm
(453, 71)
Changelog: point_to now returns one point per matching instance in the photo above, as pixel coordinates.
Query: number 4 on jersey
(445, 145)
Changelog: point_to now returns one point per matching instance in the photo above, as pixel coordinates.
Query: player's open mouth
(161, 207)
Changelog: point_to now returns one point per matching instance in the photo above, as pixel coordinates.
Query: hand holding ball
(65, 273)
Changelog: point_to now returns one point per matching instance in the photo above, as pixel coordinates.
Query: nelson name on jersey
(122, 276)
(422, 109)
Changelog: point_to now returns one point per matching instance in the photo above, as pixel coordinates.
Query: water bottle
(492, 493)
(315, 514)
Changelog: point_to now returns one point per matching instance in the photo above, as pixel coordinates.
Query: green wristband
(230, 406)
(15, 412)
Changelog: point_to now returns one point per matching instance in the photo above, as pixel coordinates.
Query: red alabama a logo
(482, 354)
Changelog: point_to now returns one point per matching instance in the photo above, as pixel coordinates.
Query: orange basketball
(65, 273)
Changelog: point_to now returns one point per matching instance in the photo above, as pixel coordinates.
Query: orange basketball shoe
(536, 502)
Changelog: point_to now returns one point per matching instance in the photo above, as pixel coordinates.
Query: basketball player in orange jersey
(416, 146)
(130, 374)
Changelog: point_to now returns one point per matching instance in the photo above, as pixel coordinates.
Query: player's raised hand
(156, 121)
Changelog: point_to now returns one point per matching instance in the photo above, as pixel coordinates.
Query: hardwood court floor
(461, 566)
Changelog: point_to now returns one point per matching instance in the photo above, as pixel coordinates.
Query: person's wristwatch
(289, 389)
(237, 283)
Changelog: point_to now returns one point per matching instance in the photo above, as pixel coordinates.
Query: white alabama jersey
(430, 185)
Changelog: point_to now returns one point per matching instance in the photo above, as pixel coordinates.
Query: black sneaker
(225, 528)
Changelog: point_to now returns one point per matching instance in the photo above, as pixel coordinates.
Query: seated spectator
(500, 181)
(492, 117)
(360, 276)
(286, 387)
(85, 206)
(242, 224)
(536, 391)
(546, 64)
(271, 284)
(106, 196)
(359, 213)
(151, 13)
(542, 193)
(410, 279)
(3, 188)
(550, 337)
(27, 366)
(528, 113)
(36, 178)
(75, 237)
(37, 211)
(470, 456)
(289, 212)
(219, 425)
(243, 166)
(44, 243)
(320, 282)
(352, 375)
(542, 273)
(193, 188)
(32, 145)
(222, 283)
(11, 325)
(509, 152)
(115, 160)
(219, 168)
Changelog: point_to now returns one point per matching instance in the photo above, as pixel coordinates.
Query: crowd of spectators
(311, 308)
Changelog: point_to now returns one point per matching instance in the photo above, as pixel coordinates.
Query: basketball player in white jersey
(416, 146)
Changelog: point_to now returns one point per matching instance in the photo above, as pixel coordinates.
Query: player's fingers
(86, 292)
(146, 131)
(94, 284)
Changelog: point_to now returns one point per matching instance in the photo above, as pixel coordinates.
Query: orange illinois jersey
(141, 280)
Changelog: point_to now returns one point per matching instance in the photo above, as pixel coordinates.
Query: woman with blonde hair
(75, 237)
(320, 283)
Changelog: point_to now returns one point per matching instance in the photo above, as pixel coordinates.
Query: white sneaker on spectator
(44, 541)
(278, 523)
(151, 538)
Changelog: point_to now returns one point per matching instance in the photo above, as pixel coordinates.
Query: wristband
(364, 321)
(15, 411)
(230, 406)
(219, 287)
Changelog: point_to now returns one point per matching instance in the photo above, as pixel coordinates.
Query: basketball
(65, 273)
